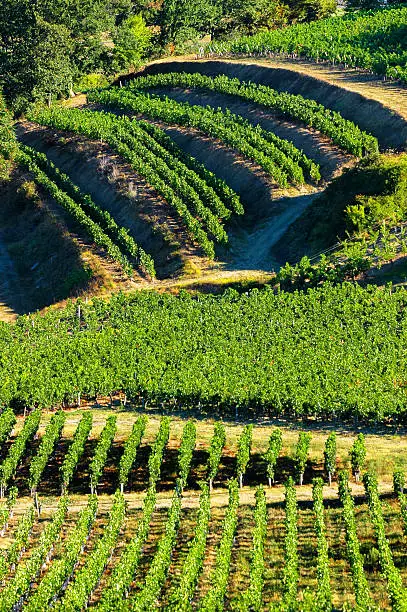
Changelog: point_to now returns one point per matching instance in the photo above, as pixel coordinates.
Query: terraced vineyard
(289, 146)
(169, 540)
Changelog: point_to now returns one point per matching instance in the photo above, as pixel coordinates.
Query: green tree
(181, 21)
(312, 10)
(132, 40)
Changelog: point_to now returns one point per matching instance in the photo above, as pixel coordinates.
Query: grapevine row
(19, 586)
(75, 450)
(272, 453)
(130, 450)
(7, 422)
(17, 449)
(102, 448)
(186, 451)
(101, 125)
(243, 452)
(253, 142)
(362, 594)
(301, 454)
(185, 183)
(323, 597)
(213, 600)
(341, 131)
(215, 451)
(399, 482)
(6, 509)
(86, 579)
(62, 569)
(146, 599)
(253, 596)
(181, 598)
(119, 235)
(370, 40)
(395, 589)
(95, 232)
(201, 194)
(123, 573)
(229, 198)
(291, 572)
(10, 557)
(46, 448)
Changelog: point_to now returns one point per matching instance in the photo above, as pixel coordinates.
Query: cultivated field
(25, 579)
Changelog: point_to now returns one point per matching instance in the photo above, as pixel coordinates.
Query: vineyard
(372, 41)
(203, 313)
(198, 173)
(126, 511)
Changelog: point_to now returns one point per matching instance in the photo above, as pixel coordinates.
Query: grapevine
(272, 453)
(146, 599)
(215, 452)
(18, 587)
(343, 132)
(75, 450)
(7, 422)
(181, 599)
(186, 451)
(17, 449)
(395, 589)
(10, 557)
(323, 598)
(291, 572)
(85, 580)
(101, 451)
(358, 455)
(253, 596)
(362, 594)
(213, 600)
(301, 454)
(330, 456)
(47, 445)
(253, 142)
(130, 450)
(63, 568)
(243, 453)
(119, 235)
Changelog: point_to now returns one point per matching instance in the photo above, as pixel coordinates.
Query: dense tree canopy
(46, 46)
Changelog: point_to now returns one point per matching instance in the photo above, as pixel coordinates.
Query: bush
(91, 81)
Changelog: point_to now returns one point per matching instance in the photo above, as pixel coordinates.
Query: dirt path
(8, 283)
(253, 251)
(376, 106)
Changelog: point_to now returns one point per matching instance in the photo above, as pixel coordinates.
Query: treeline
(49, 48)
(329, 352)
